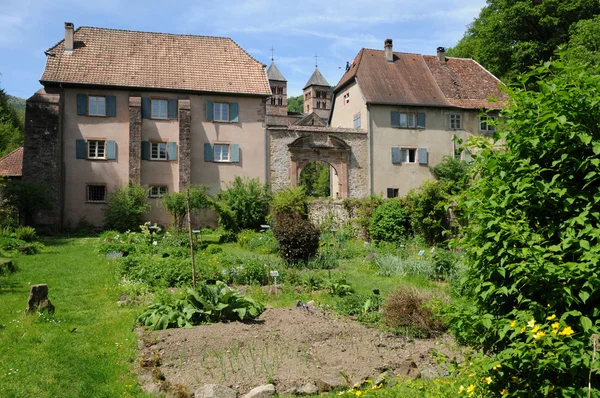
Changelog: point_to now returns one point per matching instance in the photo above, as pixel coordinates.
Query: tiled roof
(274, 74)
(12, 164)
(156, 60)
(317, 79)
(414, 79)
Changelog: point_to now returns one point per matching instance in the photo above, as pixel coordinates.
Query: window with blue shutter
(208, 153)
(80, 149)
(234, 112)
(146, 107)
(420, 120)
(396, 158)
(395, 119)
(209, 110)
(172, 151)
(423, 156)
(145, 150)
(111, 150)
(173, 108)
(235, 153)
(111, 105)
(82, 104)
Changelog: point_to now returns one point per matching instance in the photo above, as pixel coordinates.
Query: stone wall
(327, 211)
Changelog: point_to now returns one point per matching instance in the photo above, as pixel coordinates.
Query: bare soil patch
(287, 347)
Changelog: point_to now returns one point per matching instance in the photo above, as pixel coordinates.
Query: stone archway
(333, 151)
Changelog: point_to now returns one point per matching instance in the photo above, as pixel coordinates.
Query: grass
(87, 348)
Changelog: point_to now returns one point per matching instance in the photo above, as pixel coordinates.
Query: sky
(333, 30)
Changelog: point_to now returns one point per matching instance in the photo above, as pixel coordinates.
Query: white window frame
(455, 121)
(94, 108)
(357, 119)
(87, 193)
(161, 105)
(158, 191)
(158, 146)
(218, 115)
(405, 155)
(221, 158)
(484, 125)
(93, 149)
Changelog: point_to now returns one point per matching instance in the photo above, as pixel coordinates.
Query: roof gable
(12, 164)
(156, 60)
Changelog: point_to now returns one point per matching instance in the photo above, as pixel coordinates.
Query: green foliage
(508, 37)
(260, 242)
(339, 286)
(361, 211)
(316, 179)
(296, 104)
(533, 240)
(364, 307)
(175, 203)
(389, 222)
(312, 282)
(243, 205)
(28, 197)
(289, 200)
(298, 238)
(426, 207)
(126, 206)
(11, 125)
(205, 304)
(26, 234)
(213, 249)
(451, 171)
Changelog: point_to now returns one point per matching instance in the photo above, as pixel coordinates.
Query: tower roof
(274, 74)
(317, 79)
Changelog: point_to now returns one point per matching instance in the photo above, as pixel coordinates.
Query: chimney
(441, 51)
(69, 37)
(389, 54)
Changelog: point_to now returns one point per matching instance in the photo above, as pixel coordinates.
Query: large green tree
(315, 178)
(11, 125)
(296, 104)
(509, 36)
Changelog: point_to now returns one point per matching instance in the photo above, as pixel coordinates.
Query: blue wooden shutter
(395, 119)
(235, 153)
(423, 156)
(208, 153)
(173, 111)
(80, 149)
(390, 192)
(233, 112)
(146, 107)
(111, 150)
(396, 159)
(111, 105)
(421, 120)
(172, 151)
(145, 150)
(209, 110)
(82, 104)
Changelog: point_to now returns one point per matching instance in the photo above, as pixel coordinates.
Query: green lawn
(87, 349)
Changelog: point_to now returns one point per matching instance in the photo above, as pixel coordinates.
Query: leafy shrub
(361, 211)
(126, 206)
(452, 171)
(298, 238)
(532, 239)
(175, 203)
(364, 307)
(206, 304)
(28, 197)
(26, 234)
(405, 307)
(213, 249)
(404, 266)
(444, 264)
(156, 271)
(389, 222)
(339, 286)
(243, 205)
(426, 207)
(263, 243)
(312, 282)
(246, 271)
(289, 201)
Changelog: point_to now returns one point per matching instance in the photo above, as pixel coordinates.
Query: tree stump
(38, 299)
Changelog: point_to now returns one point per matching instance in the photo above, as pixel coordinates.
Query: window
(158, 151)
(392, 192)
(272, 100)
(318, 104)
(485, 125)
(455, 121)
(408, 120)
(357, 121)
(408, 155)
(96, 106)
(96, 193)
(158, 191)
(221, 112)
(221, 153)
(159, 108)
(346, 98)
(280, 101)
(96, 149)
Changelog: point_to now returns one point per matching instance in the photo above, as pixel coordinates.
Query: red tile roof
(414, 79)
(156, 60)
(12, 164)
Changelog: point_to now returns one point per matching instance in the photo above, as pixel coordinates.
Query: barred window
(96, 193)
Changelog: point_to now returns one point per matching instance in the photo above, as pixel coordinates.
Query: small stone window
(158, 191)
(455, 121)
(393, 193)
(96, 193)
(486, 123)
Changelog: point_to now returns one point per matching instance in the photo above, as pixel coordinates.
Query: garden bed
(288, 347)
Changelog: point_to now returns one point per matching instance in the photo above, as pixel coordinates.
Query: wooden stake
(187, 197)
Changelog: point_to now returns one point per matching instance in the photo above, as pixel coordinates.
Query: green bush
(243, 205)
(298, 238)
(175, 203)
(426, 207)
(361, 211)
(205, 304)
(213, 249)
(260, 242)
(389, 222)
(452, 171)
(26, 234)
(339, 286)
(28, 197)
(364, 307)
(289, 201)
(126, 207)
(532, 239)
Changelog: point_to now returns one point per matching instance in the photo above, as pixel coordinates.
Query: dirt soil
(288, 347)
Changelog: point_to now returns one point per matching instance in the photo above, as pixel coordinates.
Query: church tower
(317, 95)
(277, 103)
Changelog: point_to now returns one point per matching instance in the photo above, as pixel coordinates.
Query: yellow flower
(358, 393)
(461, 389)
(356, 385)
(472, 375)
(523, 329)
(504, 392)
(567, 331)
(555, 325)
(496, 367)
(539, 335)
(471, 388)
(551, 317)
(531, 323)
(488, 380)
(513, 324)
(341, 393)
(535, 329)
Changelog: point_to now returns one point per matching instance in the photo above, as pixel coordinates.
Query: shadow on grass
(9, 286)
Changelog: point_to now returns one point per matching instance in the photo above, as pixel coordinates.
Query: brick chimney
(389, 53)
(69, 37)
(441, 53)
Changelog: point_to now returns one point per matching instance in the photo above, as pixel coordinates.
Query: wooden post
(187, 197)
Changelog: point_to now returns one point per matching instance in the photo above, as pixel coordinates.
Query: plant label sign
(274, 274)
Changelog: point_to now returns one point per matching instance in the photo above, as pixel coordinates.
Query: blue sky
(335, 30)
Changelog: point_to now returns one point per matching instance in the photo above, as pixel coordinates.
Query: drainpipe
(370, 137)
(454, 145)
